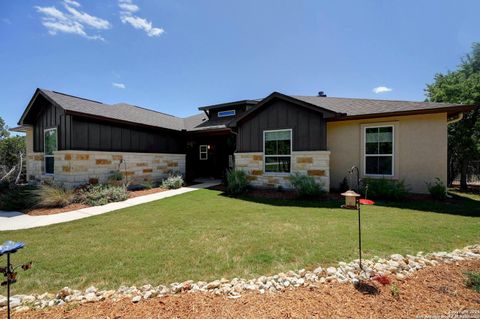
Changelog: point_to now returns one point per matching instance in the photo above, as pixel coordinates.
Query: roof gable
(276, 95)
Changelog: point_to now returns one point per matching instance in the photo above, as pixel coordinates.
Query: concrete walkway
(17, 220)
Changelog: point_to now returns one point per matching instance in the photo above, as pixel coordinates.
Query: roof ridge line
(77, 97)
(147, 109)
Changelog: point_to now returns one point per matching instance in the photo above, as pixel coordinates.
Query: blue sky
(176, 55)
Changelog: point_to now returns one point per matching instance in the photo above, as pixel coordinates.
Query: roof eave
(449, 110)
(222, 105)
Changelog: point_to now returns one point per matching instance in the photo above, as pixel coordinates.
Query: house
(73, 140)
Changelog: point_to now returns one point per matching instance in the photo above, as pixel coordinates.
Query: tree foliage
(3, 129)
(461, 86)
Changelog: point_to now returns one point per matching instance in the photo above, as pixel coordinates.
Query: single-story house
(73, 140)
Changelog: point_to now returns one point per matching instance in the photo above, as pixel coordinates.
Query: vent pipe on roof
(322, 94)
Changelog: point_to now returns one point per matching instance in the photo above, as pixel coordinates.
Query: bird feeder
(350, 199)
(7, 248)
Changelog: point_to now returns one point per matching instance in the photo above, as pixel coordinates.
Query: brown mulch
(132, 194)
(432, 291)
(57, 210)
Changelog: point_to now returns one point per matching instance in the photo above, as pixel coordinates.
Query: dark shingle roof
(358, 107)
(121, 111)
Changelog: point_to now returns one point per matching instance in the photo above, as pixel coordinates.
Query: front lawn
(204, 235)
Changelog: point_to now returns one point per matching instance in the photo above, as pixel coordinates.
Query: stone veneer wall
(312, 163)
(73, 168)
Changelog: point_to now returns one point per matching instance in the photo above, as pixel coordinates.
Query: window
(203, 152)
(50, 145)
(379, 150)
(277, 149)
(226, 113)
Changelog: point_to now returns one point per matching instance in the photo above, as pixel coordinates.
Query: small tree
(12, 156)
(3, 129)
(461, 86)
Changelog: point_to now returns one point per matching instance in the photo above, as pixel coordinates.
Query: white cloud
(381, 89)
(140, 23)
(72, 3)
(119, 85)
(87, 19)
(72, 21)
(127, 8)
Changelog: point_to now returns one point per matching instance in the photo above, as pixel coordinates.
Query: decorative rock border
(396, 265)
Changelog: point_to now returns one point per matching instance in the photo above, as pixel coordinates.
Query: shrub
(53, 196)
(473, 280)
(385, 188)
(237, 182)
(173, 181)
(95, 195)
(437, 189)
(395, 291)
(305, 185)
(19, 198)
(344, 185)
(115, 176)
(148, 185)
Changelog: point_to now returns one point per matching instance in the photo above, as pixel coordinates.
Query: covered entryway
(209, 154)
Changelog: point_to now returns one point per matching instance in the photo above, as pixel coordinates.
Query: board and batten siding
(51, 116)
(112, 137)
(86, 134)
(308, 127)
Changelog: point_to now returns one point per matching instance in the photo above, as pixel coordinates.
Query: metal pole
(359, 235)
(8, 285)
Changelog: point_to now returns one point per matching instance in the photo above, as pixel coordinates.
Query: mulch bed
(57, 210)
(75, 206)
(132, 194)
(433, 291)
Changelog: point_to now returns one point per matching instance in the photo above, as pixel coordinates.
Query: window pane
(371, 165)
(277, 135)
(283, 147)
(372, 135)
(49, 164)
(385, 148)
(378, 165)
(277, 164)
(385, 165)
(385, 134)
(50, 142)
(371, 148)
(271, 148)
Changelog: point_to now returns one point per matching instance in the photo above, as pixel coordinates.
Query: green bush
(473, 280)
(173, 181)
(95, 195)
(437, 189)
(53, 196)
(237, 182)
(382, 188)
(19, 198)
(305, 185)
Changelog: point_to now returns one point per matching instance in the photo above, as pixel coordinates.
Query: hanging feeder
(7, 248)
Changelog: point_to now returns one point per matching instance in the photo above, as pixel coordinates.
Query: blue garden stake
(10, 247)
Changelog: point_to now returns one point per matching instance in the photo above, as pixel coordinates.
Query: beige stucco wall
(312, 163)
(420, 148)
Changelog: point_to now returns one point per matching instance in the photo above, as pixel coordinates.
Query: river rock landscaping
(397, 266)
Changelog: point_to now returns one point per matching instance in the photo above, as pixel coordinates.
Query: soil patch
(57, 210)
(434, 291)
(132, 194)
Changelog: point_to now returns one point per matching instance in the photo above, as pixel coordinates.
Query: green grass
(473, 280)
(204, 235)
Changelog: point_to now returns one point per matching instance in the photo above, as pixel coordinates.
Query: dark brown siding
(308, 127)
(50, 116)
(88, 134)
